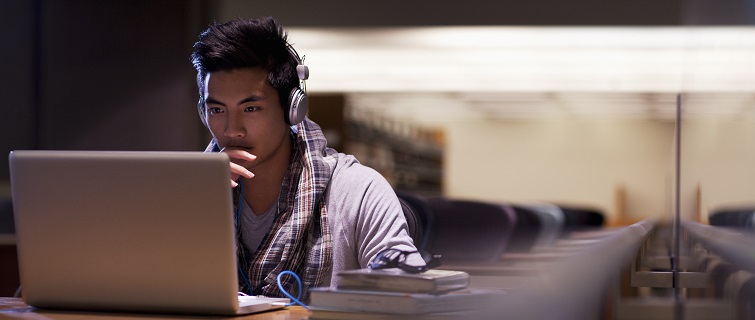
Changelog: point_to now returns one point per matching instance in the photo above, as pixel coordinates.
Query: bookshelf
(410, 157)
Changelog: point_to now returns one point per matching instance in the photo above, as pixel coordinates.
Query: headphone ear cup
(298, 104)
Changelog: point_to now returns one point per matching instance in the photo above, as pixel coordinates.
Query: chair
(470, 231)
(551, 220)
(418, 216)
(718, 271)
(527, 230)
(581, 218)
(740, 290)
(733, 217)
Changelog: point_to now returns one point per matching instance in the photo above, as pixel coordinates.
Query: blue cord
(295, 300)
(238, 227)
(298, 283)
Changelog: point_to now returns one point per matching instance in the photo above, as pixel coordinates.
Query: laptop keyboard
(253, 300)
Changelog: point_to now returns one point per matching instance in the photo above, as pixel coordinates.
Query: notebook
(127, 231)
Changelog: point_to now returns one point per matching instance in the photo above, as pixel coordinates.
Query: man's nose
(235, 127)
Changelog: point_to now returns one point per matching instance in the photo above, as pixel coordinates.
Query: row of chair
(741, 217)
(729, 284)
(478, 231)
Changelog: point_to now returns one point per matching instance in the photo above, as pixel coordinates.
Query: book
(394, 279)
(326, 298)
(361, 315)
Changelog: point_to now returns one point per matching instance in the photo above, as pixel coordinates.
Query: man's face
(243, 112)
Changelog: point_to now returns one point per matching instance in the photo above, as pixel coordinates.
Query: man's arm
(370, 217)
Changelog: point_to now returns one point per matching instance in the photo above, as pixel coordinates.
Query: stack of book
(388, 293)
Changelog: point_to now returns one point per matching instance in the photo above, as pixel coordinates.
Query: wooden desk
(15, 308)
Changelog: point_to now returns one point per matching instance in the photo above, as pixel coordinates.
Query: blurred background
(569, 102)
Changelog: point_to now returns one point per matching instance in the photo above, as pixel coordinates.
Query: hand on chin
(241, 160)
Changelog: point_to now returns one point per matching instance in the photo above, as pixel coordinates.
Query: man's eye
(214, 110)
(251, 109)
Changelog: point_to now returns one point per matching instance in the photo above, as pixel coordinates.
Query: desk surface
(15, 308)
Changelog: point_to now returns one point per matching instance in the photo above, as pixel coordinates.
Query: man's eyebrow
(251, 98)
(210, 100)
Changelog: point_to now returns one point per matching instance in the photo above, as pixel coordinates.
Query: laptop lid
(125, 231)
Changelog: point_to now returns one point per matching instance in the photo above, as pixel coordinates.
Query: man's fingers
(238, 170)
(239, 154)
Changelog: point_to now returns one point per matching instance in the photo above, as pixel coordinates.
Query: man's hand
(238, 159)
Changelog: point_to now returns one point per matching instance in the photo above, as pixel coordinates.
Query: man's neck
(261, 192)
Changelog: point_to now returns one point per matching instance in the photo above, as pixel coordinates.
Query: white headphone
(298, 103)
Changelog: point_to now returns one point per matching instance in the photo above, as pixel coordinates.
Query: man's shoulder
(355, 188)
(348, 166)
(351, 177)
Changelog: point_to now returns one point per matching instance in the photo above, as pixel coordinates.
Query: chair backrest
(419, 218)
(718, 271)
(552, 222)
(470, 231)
(581, 218)
(527, 230)
(733, 217)
(740, 289)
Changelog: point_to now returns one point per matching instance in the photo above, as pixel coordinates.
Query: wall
(718, 163)
(18, 92)
(111, 75)
(568, 161)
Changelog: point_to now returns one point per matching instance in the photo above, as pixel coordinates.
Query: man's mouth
(237, 148)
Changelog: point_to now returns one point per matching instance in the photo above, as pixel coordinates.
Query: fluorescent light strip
(537, 59)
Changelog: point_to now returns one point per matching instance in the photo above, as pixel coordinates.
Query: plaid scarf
(300, 239)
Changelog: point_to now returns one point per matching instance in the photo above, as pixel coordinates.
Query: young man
(301, 206)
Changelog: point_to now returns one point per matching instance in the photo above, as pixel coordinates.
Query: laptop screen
(145, 231)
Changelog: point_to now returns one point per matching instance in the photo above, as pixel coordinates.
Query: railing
(577, 286)
(735, 246)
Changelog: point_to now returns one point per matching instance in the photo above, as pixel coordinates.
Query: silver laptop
(128, 231)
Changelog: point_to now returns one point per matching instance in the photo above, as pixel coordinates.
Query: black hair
(246, 43)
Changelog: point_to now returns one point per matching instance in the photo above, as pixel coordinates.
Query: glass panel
(718, 171)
